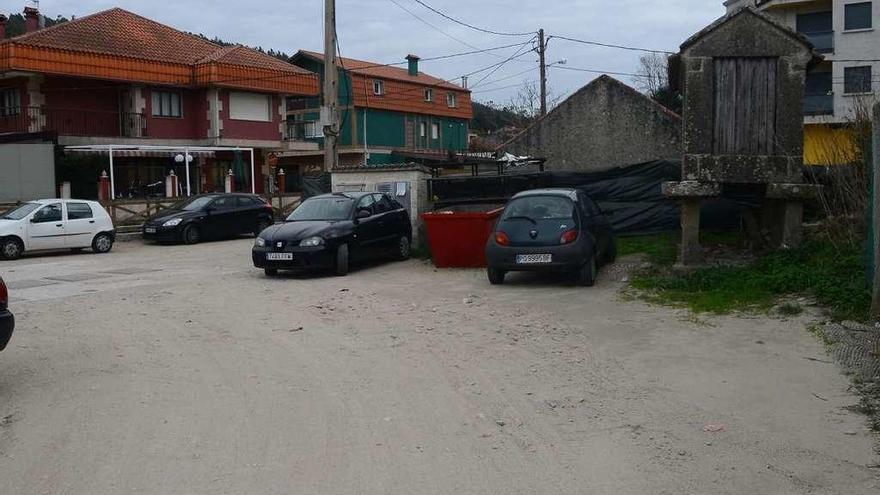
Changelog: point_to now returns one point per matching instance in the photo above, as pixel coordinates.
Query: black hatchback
(210, 216)
(553, 230)
(332, 230)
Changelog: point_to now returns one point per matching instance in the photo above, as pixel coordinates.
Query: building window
(10, 102)
(857, 79)
(857, 16)
(429, 95)
(435, 131)
(254, 107)
(423, 129)
(166, 104)
(451, 100)
(818, 27)
(378, 87)
(312, 131)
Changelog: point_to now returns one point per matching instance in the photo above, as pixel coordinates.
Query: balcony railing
(69, 122)
(823, 41)
(819, 104)
(302, 131)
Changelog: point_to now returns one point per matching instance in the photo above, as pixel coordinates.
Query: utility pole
(330, 110)
(542, 50)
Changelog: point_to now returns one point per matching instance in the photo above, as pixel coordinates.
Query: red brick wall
(192, 125)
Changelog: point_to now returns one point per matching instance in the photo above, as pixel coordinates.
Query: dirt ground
(183, 370)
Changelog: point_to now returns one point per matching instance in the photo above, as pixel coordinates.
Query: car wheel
(270, 272)
(589, 272)
(191, 235)
(11, 249)
(496, 275)
(404, 248)
(102, 243)
(261, 226)
(342, 264)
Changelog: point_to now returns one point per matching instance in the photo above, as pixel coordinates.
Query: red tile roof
(114, 37)
(386, 72)
(119, 32)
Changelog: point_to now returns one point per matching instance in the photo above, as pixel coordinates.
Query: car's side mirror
(210, 210)
(362, 214)
(33, 220)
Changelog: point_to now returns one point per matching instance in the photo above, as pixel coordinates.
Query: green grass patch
(833, 275)
(660, 249)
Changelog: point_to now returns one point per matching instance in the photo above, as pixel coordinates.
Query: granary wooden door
(745, 106)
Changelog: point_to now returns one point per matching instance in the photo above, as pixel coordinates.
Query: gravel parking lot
(181, 369)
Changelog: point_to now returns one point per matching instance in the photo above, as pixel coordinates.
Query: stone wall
(603, 125)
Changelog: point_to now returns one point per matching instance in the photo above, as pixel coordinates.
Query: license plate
(150, 230)
(279, 256)
(532, 259)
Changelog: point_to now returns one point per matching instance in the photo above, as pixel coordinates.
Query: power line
(482, 30)
(503, 87)
(596, 71)
(444, 57)
(608, 45)
(444, 33)
(506, 78)
(514, 56)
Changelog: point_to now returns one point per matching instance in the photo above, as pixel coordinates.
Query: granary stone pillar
(690, 195)
(786, 218)
(691, 252)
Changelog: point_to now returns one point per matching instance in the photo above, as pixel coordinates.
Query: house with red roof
(117, 78)
(390, 113)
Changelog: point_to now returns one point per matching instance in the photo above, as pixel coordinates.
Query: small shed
(743, 78)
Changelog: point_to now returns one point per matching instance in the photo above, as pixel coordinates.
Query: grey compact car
(552, 230)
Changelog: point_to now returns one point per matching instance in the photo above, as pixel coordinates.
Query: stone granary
(743, 82)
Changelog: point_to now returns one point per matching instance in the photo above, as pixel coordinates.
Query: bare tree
(527, 101)
(847, 154)
(653, 73)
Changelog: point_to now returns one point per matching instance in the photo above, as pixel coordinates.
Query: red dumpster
(458, 235)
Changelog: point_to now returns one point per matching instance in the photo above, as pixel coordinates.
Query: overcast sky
(380, 31)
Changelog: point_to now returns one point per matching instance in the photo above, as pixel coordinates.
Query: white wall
(27, 171)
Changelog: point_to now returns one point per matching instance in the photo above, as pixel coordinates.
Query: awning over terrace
(179, 152)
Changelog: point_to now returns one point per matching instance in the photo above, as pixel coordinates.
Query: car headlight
(312, 242)
(174, 222)
(260, 242)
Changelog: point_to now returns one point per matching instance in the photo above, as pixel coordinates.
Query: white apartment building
(843, 31)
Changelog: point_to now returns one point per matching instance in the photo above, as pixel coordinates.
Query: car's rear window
(540, 208)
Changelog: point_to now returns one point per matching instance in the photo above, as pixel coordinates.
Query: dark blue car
(551, 230)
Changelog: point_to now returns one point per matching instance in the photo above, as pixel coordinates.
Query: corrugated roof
(373, 69)
(122, 33)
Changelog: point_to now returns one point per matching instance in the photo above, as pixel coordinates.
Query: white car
(55, 224)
